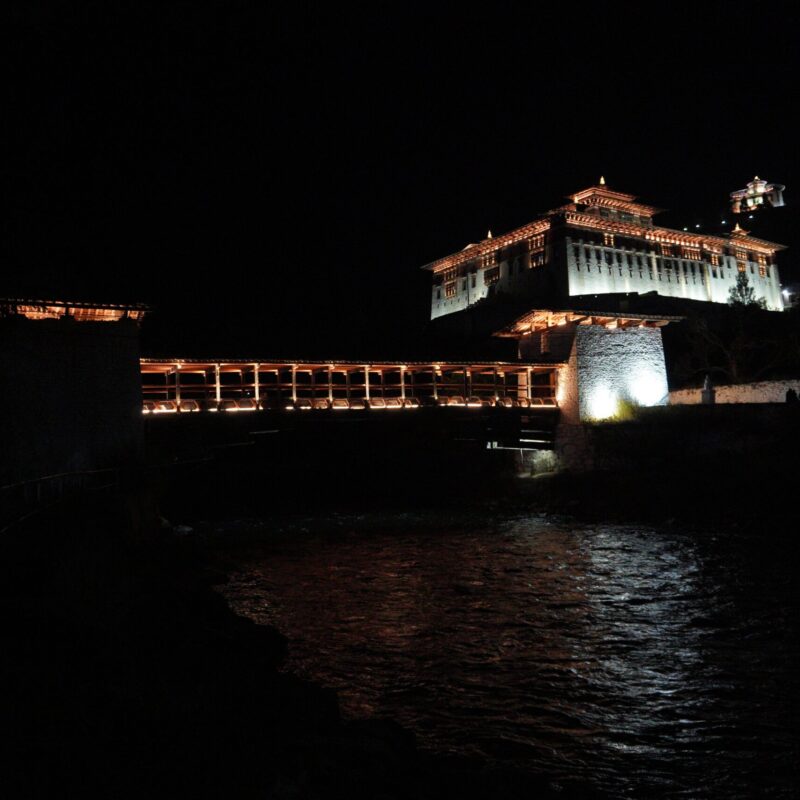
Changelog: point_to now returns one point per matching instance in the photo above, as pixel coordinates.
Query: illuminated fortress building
(604, 242)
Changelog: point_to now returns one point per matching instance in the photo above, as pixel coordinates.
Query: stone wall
(70, 396)
(606, 367)
(761, 392)
(617, 365)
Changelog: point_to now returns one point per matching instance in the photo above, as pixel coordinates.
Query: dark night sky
(271, 177)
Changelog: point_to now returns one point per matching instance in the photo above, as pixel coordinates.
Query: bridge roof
(169, 364)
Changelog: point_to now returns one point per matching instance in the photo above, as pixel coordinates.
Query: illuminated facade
(758, 194)
(604, 242)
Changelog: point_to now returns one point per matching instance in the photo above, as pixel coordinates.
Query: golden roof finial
(602, 181)
(489, 234)
(738, 229)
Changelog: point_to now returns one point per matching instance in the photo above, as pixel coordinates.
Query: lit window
(491, 276)
(536, 242)
(666, 249)
(741, 260)
(608, 239)
(450, 289)
(714, 258)
(489, 260)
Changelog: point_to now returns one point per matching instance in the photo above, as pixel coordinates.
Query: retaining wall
(762, 392)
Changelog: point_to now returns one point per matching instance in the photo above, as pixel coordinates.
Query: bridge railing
(20, 500)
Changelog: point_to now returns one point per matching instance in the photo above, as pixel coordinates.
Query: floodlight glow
(647, 388)
(602, 403)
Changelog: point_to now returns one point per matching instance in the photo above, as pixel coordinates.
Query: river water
(641, 662)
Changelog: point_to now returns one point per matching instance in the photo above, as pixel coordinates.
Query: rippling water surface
(646, 663)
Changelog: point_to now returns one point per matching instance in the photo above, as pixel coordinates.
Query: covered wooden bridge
(181, 385)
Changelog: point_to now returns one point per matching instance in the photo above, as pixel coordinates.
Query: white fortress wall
(474, 286)
(596, 269)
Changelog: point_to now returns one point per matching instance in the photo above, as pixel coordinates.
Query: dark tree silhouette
(743, 294)
(739, 343)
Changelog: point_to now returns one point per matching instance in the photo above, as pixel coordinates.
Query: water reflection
(647, 663)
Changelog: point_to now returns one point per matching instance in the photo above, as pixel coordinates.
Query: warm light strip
(542, 320)
(667, 235)
(152, 366)
(81, 312)
(616, 201)
(490, 245)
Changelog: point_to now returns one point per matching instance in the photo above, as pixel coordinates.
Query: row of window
(533, 244)
(688, 252)
(624, 216)
(518, 265)
(536, 242)
(695, 254)
(742, 267)
(693, 269)
(490, 276)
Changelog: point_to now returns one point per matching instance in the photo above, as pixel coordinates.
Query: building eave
(489, 245)
(608, 198)
(546, 318)
(657, 233)
(81, 310)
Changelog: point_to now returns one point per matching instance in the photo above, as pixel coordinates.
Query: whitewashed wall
(593, 269)
(762, 392)
(512, 277)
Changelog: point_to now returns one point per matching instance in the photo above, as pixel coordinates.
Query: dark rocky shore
(126, 674)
